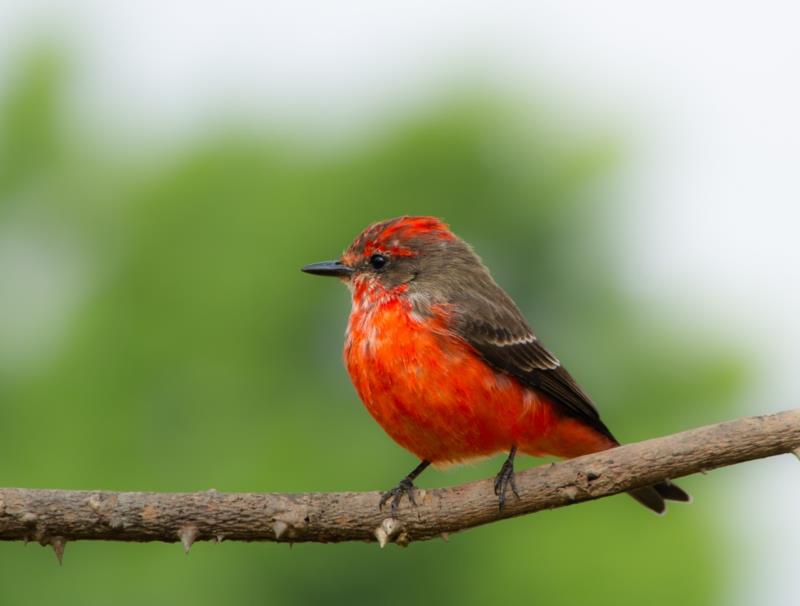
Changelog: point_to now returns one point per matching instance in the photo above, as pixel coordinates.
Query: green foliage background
(194, 354)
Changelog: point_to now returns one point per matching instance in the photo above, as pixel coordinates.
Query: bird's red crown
(392, 237)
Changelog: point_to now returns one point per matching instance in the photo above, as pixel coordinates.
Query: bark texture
(54, 517)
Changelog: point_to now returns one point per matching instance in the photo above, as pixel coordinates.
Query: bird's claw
(502, 482)
(405, 487)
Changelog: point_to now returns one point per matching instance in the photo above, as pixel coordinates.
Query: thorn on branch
(58, 544)
(571, 492)
(187, 534)
(381, 536)
(403, 539)
(388, 529)
(279, 528)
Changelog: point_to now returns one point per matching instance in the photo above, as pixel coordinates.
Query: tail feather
(653, 497)
(672, 492)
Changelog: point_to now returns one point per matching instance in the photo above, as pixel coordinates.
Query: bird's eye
(377, 261)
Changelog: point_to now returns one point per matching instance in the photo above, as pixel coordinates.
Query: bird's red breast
(436, 397)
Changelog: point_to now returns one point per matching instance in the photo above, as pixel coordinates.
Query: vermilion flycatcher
(444, 360)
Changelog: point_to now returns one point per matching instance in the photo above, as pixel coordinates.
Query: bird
(444, 360)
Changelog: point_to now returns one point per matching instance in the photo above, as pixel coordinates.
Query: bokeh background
(629, 173)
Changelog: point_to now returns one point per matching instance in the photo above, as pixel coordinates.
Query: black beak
(328, 268)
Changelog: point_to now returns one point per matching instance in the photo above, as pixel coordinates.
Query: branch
(53, 517)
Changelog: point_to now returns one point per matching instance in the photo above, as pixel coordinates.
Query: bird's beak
(328, 268)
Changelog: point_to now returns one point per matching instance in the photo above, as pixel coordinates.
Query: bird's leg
(406, 486)
(505, 478)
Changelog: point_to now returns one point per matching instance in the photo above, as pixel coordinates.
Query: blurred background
(629, 172)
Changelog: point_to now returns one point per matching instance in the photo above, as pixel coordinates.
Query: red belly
(435, 397)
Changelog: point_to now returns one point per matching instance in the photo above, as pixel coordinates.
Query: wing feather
(506, 342)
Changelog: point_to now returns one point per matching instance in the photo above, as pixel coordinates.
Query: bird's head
(405, 256)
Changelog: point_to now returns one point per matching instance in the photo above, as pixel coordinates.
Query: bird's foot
(505, 480)
(405, 487)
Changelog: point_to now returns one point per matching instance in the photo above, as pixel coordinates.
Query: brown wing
(500, 334)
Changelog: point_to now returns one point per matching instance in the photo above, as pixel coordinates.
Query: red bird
(445, 362)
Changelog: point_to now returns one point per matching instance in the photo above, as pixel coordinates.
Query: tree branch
(53, 517)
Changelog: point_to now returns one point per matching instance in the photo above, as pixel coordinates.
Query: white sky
(709, 91)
